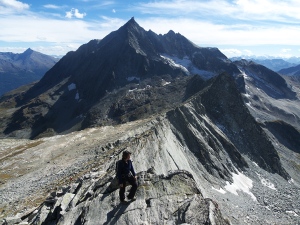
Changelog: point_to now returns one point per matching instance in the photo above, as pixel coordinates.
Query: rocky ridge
(186, 138)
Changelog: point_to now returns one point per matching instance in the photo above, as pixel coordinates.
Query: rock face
(21, 69)
(286, 134)
(267, 80)
(268, 95)
(171, 199)
(225, 106)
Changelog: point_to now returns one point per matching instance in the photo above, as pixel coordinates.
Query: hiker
(126, 173)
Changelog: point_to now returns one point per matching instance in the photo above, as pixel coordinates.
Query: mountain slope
(186, 166)
(291, 71)
(267, 95)
(21, 69)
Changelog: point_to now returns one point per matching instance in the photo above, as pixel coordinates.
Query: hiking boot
(132, 199)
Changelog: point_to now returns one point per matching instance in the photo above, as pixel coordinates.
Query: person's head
(126, 155)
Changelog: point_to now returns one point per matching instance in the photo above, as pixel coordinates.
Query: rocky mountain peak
(132, 26)
(171, 33)
(28, 51)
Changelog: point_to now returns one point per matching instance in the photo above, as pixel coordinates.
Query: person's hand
(121, 185)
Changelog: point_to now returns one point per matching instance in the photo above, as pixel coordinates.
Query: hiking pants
(133, 184)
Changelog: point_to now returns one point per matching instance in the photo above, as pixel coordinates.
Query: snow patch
(186, 65)
(71, 87)
(132, 90)
(240, 183)
(293, 213)
(247, 95)
(164, 83)
(133, 78)
(203, 73)
(142, 89)
(291, 180)
(221, 190)
(266, 182)
(246, 77)
(77, 96)
(178, 63)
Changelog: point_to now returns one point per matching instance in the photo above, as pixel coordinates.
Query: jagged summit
(28, 51)
(131, 23)
(131, 26)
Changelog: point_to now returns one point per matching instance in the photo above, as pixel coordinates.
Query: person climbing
(126, 173)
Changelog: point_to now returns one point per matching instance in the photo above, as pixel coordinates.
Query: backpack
(117, 165)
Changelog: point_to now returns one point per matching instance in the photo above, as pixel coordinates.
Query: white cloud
(75, 13)
(58, 50)
(250, 10)
(247, 52)
(13, 49)
(50, 6)
(231, 52)
(109, 22)
(286, 50)
(13, 4)
(207, 33)
(60, 36)
(114, 11)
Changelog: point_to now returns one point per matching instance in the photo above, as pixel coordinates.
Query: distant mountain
(274, 64)
(268, 95)
(20, 69)
(295, 60)
(265, 79)
(292, 71)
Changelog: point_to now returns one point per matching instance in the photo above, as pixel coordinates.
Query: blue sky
(236, 27)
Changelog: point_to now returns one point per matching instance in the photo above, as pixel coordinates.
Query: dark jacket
(124, 170)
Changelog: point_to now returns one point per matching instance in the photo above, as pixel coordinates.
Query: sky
(236, 27)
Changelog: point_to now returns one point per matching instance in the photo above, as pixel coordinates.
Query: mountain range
(214, 141)
(275, 64)
(21, 69)
(291, 71)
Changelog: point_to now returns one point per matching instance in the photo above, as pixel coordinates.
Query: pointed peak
(132, 19)
(28, 50)
(131, 22)
(131, 25)
(171, 32)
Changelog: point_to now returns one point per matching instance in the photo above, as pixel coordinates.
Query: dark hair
(126, 154)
